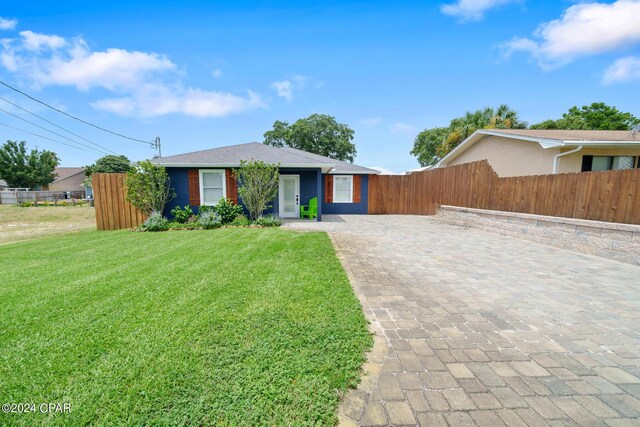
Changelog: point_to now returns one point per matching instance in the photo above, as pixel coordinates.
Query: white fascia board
(604, 143)
(354, 173)
(237, 165)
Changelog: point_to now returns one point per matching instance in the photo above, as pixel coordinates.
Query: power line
(42, 136)
(74, 117)
(59, 127)
(53, 132)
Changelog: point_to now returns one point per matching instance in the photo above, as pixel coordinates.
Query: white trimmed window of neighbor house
(212, 186)
(343, 189)
(607, 163)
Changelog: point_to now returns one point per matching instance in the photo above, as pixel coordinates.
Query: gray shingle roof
(231, 156)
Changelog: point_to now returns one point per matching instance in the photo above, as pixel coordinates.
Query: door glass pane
(212, 195)
(601, 163)
(623, 162)
(212, 179)
(289, 193)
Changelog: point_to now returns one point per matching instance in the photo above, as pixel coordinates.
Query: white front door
(289, 196)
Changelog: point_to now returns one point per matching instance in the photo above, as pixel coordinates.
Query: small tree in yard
(148, 187)
(257, 185)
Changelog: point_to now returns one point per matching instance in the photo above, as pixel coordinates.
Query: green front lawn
(225, 327)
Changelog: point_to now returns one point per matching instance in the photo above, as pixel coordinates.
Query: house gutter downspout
(556, 159)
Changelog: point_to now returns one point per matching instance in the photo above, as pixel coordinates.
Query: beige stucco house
(68, 179)
(518, 152)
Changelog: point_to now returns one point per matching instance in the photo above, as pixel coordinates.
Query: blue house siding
(361, 208)
(308, 185)
(180, 183)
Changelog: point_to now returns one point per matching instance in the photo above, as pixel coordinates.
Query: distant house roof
(550, 139)
(3, 184)
(232, 155)
(383, 171)
(62, 173)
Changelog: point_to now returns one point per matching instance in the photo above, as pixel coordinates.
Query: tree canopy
(597, 116)
(433, 144)
(319, 133)
(26, 169)
(109, 164)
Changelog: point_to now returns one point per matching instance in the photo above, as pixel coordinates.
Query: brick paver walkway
(479, 329)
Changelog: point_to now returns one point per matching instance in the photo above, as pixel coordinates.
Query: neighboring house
(204, 177)
(3, 184)
(420, 169)
(383, 171)
(517, 152)
(68, 179)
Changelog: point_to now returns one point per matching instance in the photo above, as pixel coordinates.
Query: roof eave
(237, 165)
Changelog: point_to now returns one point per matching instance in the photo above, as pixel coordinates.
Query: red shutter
(194, 187)
(357, 184)
(328, 189)
(232, 186)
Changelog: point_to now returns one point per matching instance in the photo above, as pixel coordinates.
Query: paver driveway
(477, 328)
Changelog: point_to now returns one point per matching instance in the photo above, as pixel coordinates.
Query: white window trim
(201, 183)
(334, 187)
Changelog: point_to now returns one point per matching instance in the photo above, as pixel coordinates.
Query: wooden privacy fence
(113, 211)
(612, 196)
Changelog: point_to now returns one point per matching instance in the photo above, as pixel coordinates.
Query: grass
(220, 327)
(19, 224)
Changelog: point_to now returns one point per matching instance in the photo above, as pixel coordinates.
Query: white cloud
(622, 70)
(36, 41)
(284, 89)
(584, 29)
(472, 10)
(157, 100)
(8, 24)
(403, 128)
(146, 84)
(287, 88)
(217, 73)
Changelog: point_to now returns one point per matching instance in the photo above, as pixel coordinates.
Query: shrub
(182, 215)
(240, 221)
(25, 204)
(203, 208)
(209, 219)
(148, 187)
(268, 221)
(156, 222)
(257, 185)
(227, 210)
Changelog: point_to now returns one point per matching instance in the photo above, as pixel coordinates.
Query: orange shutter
(232, 186)
(194, 187)
(328, 189)
(357, 183)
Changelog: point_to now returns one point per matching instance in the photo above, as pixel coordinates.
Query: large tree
(433, 144)
(109, 164)
(597, 116)
(26, 169)
(319, 133)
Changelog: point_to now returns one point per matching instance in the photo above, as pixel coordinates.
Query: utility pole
(157, 146)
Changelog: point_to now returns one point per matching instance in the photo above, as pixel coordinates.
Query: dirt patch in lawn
(18, 224)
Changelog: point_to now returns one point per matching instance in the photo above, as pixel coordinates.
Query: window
(212, 187)
(342, 189)
(607, 163)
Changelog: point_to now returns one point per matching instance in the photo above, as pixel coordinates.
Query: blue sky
(203, 75)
